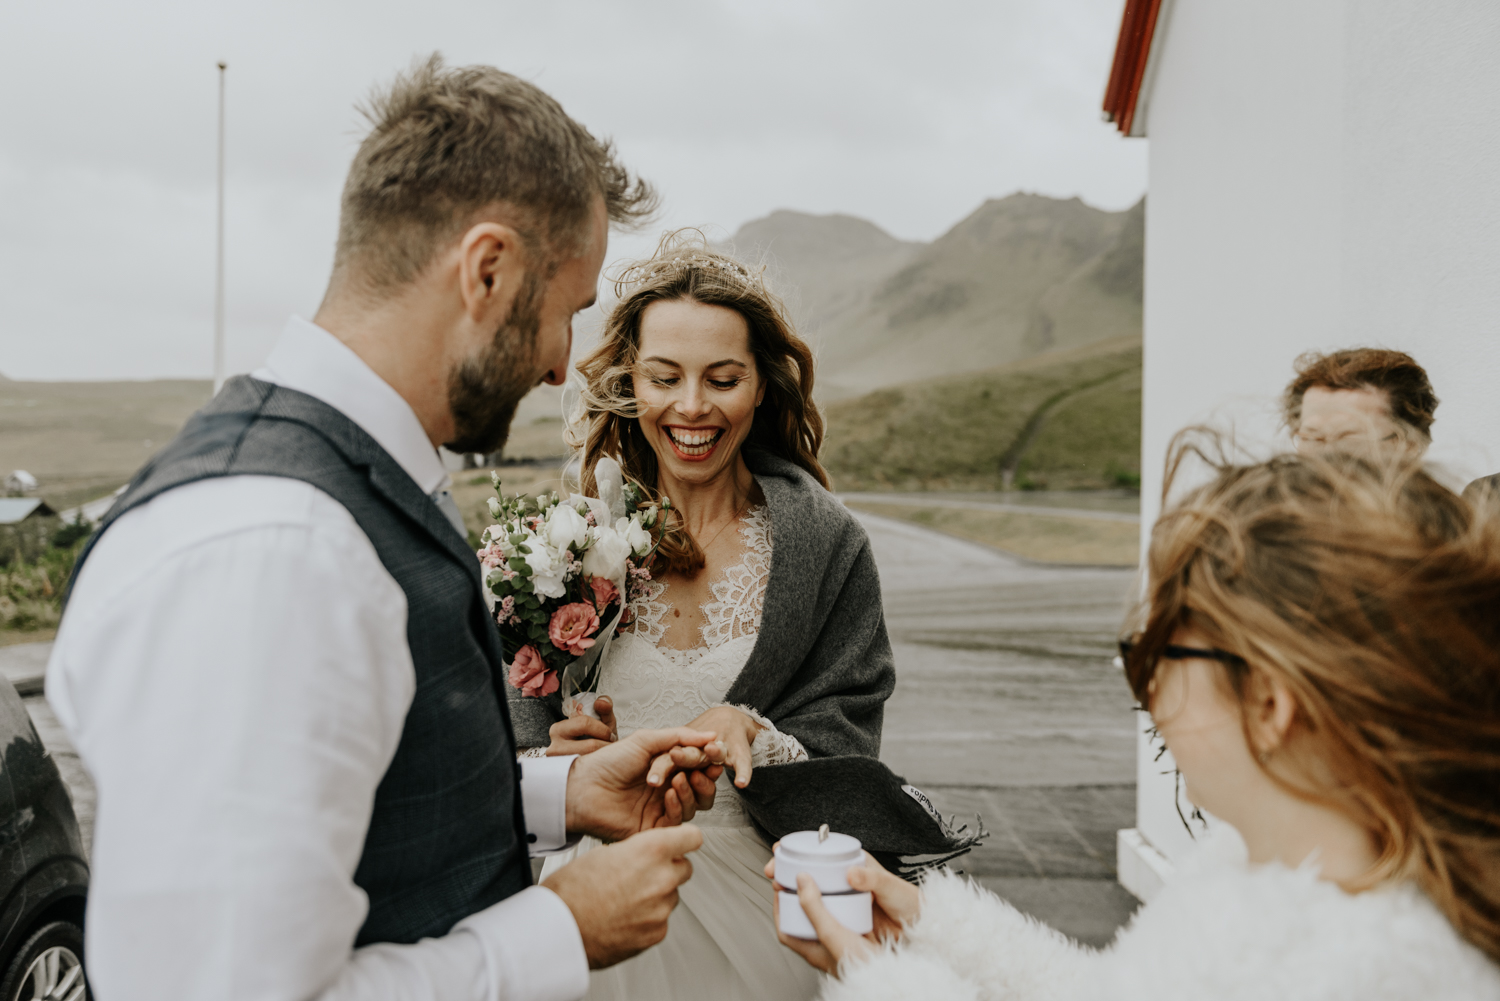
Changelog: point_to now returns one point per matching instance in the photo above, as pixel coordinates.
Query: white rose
(606, 557)
(635, 533)
(546, 569)
(565, 527)
(494, 506)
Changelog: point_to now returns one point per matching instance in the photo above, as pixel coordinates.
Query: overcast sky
(907, 114)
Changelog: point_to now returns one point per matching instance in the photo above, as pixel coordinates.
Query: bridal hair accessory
(689, 258)
(724, 264)
(563, 573)
(826, 857)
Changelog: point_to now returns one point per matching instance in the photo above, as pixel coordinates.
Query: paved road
(1006, 706)
(983, 503)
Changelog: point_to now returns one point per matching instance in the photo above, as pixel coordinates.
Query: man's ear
(1270, 709)
(491, 264)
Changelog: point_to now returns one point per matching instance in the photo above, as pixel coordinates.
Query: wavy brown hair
(1413, 404)
(1373, 593)
(787, 424)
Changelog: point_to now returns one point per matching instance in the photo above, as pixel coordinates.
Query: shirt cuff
(544, 803)
(532, 947)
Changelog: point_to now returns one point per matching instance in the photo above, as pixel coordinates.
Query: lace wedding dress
(721, 943)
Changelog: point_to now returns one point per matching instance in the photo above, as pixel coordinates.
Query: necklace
(737, 516)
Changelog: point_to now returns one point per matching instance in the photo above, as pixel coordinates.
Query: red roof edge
(1137, 27)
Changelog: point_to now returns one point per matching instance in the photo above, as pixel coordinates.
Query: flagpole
(219, 260)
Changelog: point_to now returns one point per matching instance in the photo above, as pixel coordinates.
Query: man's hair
(1405, 383)
(448, 143)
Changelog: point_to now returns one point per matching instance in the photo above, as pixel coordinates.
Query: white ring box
(854, 911)
(826, 858)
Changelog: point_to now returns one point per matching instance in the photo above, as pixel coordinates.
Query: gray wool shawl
(821, 668)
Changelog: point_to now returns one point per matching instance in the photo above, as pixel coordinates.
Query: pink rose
(571, 626)
(605, 592)
(491, 557)
(529, 674)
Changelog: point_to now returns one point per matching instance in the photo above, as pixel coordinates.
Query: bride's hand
(583, 734)
(736, 733)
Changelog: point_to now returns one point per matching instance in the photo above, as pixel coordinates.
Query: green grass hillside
(1067, 420)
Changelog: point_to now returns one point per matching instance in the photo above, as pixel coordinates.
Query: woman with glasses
(1320, 650)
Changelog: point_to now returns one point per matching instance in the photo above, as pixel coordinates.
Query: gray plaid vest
(447, 837)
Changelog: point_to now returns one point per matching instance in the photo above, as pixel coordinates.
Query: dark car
(44, 879)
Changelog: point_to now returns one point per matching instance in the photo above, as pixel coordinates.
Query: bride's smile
(693, 444)
(699, 385)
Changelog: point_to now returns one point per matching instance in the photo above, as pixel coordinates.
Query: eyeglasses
(1174, 652)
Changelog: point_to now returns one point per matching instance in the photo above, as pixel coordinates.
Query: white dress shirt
(233, 670)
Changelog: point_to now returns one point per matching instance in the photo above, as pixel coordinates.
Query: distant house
(14, 510)
(1322, 175)
(20, 482)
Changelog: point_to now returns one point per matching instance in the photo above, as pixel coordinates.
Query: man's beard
(485, 390)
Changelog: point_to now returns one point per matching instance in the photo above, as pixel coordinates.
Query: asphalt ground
(1112, 507)
(1007, 709)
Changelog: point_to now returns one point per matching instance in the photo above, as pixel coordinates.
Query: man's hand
(583, 734)
(621, 895)
(896, 903)
(653, 778)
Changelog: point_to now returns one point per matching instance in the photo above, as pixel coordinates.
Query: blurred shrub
(35, 571)
(70, 532)
(26, 541)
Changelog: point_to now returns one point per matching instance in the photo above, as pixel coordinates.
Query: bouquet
(563, 573)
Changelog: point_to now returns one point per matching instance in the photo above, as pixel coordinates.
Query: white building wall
(1323, 173)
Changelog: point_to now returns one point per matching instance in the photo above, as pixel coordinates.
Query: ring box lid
(811, 847)
(823, 856)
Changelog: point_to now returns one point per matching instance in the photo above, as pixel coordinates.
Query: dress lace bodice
(739, 596)
(655, 686)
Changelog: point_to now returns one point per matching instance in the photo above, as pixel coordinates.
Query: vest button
(531, 839)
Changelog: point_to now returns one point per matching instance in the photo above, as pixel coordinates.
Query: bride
(763, 623)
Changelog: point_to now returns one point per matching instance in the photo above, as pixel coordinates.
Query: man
(276, 660)
(1361, 395)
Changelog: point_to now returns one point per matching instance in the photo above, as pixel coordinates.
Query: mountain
(1020, 276)
(825, 266)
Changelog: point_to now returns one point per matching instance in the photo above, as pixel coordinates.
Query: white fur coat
(1220, 931)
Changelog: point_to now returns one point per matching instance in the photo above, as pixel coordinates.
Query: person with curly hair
(763, 622)
(1320, 649)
